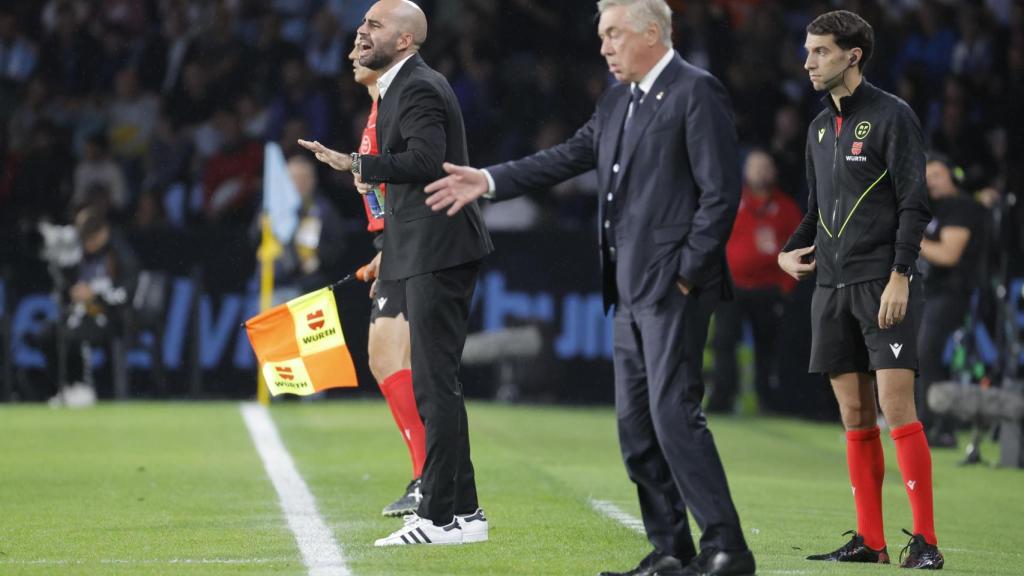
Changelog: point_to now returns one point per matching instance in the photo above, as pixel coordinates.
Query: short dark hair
(89, 221)
(849, 31)
(956, 173)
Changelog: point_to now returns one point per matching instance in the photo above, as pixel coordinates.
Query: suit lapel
(647, 110)
(608, 144)
(387, 111)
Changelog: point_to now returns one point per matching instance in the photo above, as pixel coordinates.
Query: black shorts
(389, 301)
(845, 336)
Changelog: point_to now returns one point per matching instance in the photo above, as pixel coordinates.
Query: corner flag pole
(268, 251)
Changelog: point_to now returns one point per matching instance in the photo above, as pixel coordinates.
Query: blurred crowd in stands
(158, 108)
(152, 114)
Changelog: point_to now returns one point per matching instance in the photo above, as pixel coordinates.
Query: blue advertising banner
(544, 280)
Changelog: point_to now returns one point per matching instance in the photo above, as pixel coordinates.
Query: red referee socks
(915, 461)
(397, 390)
(866, 462)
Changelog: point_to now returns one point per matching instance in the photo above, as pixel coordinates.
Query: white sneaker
(474, 526)
(422, 531)
(77, 395)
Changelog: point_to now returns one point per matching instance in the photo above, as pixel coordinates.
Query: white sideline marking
(618, 514)
(320, 553)
(150, 562)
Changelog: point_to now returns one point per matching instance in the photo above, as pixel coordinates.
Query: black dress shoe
(654, 564)
(720, 563)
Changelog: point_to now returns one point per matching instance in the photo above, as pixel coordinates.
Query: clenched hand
(792, 263)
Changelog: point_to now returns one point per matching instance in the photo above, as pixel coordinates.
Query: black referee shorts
(845, 336)
(389, 301)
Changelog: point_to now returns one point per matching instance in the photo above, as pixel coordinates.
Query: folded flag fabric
(300, 346)
(281, 200)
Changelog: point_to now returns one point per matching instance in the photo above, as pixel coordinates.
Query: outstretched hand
(332, 158)
(461, 186)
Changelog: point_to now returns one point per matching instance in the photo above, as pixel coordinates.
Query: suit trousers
(667, 448)
(438, 305)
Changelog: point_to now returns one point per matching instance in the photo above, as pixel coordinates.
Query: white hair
(640, 13)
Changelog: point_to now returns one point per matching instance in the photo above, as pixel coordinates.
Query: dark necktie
(635, 96)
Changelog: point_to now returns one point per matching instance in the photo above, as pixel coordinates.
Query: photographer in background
(97, 301)
(952, 259)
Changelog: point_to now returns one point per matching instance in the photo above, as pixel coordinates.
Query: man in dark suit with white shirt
(419, 126)
(664, 147)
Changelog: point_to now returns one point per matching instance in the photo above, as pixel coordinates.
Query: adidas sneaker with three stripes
(419, 530)
(464, 529)
(474, 526)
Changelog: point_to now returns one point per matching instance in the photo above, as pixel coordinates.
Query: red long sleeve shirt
(762, 227)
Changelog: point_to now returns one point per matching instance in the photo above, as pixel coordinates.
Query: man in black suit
(419, 126)
(664, 147)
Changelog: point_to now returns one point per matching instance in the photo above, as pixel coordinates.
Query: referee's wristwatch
(901, 269)
(356, 163)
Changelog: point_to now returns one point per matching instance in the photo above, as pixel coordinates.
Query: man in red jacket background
(766, 218)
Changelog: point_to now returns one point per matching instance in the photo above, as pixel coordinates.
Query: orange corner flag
(300, 346)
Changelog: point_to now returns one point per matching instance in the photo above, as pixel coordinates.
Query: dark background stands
(176, 95)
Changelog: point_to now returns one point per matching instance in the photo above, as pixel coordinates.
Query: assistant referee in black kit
(866, 213)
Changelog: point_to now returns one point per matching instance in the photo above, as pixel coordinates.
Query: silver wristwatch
(356, 164)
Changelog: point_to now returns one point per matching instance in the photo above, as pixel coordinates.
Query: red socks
(397, 390)
(915, 461)
(867, 469)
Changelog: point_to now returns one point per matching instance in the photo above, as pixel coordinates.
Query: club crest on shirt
(862, 129)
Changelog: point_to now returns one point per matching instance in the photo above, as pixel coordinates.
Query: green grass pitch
(177, 488)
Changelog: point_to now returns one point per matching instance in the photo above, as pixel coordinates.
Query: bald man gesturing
(436, 258)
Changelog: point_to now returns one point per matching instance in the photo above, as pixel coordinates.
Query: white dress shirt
(385, 80)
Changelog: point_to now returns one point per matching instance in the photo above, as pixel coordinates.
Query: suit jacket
(673, 207)
(419, 126)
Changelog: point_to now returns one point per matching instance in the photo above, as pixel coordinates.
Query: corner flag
(281, 200)
(300, 346)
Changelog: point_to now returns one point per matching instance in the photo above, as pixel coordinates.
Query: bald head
(391, 30)
(409, 18)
